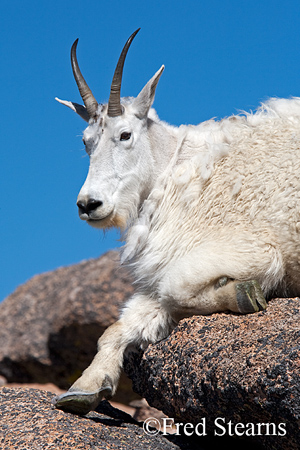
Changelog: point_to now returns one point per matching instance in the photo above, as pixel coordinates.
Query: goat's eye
(125, 136)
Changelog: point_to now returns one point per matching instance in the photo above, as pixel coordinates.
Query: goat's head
(117, 142)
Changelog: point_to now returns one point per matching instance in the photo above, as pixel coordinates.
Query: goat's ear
(79, 109)
(144, 100)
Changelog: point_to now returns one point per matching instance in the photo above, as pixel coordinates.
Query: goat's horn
(114, 102)
(89, 100)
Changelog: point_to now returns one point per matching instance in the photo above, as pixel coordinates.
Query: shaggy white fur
(233, 196)
(212, 214)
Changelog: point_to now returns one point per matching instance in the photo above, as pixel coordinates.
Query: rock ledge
(245, 369)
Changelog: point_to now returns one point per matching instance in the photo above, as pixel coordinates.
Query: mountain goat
(211, 215)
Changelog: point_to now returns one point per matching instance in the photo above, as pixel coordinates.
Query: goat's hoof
(250, 297)
(79, 402)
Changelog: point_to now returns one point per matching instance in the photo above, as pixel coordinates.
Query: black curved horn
(89, 100)
(114, 103)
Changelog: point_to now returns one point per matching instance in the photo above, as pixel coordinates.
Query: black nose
(91, 205)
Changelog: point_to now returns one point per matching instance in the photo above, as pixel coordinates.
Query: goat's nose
(90, 205)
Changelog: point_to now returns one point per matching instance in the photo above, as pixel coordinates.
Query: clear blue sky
(220, 57)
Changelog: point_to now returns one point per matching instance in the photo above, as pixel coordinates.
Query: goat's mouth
(95, 211)
(112, 220)
(94, 220)
(102, 216)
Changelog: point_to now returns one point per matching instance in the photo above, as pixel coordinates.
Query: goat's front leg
(143, 321)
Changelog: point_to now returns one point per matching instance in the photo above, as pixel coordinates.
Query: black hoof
(250, 297)
(79, 402)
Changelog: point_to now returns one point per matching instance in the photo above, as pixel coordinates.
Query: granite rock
(29, 422)
(240, 368)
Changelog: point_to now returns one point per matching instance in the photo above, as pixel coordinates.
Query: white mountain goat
(211, 213)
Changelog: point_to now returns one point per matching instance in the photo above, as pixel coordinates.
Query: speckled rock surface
(29, 422)
(50, 325)
(245, 369)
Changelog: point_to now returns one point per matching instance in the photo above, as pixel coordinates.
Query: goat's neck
(163, 140)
